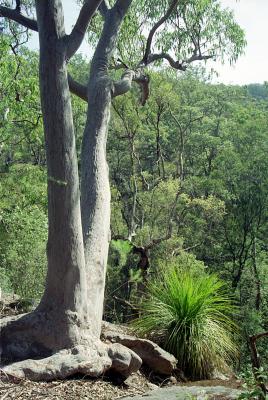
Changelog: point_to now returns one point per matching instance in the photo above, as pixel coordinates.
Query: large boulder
(152, 355)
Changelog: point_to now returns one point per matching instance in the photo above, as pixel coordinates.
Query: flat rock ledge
(189, 392)
(152, 355)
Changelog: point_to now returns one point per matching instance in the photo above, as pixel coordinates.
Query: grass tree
(191, 316)
(63, 332)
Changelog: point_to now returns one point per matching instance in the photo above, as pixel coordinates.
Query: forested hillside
(189, 187)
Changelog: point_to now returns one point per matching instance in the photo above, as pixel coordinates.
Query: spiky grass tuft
(190, 316)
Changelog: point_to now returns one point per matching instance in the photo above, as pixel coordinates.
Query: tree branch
(179, 65)
(170, 9)
(125, 302)
(107, 42)
(173, 63)
(77, 88)
(76, 37)
(124, 85)
(104, 8)
(259, 336)
(16, 16)
(122, 5)
(196, 57)
(18, 6)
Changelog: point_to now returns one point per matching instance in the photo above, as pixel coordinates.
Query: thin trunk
(256, 362)
(132, 223)
(181, 157)
(257, 278)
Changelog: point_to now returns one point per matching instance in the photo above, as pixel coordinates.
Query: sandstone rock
(157, 359)
(124, 361)
(189, 392)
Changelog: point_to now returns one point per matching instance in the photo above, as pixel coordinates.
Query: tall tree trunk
(95, 188)
(65, 291)
(95, 193)
(63, 308)
(63, 332)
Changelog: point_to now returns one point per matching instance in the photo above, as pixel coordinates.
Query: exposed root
(25, 342)
(93, 362)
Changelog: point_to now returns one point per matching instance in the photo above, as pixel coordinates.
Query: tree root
(93, 362)
(31, 355)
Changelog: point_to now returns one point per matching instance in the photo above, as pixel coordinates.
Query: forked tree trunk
(63, 332)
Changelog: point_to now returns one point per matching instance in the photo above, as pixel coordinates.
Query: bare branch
(124, 85)
(197, 57)
(179, 65)
(173, 63)
(104, 8)
(259, 336)
(169, 11)
(18, 6)
(125, 302)
(76, 37)
(77, 88)
(16, 16)
(170, 225)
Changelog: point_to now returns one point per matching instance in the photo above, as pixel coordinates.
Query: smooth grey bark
(63, 332)
(70, 311)
(95, 189)
(61, 319)
(65, 290)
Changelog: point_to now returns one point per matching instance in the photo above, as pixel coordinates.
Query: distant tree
(258, 91)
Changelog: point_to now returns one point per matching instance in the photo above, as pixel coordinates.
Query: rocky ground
(72, 389)
(137, 385)
(101, 389)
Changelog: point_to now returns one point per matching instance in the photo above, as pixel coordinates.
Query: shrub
(190, 316)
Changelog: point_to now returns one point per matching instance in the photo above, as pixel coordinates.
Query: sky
(252, 16)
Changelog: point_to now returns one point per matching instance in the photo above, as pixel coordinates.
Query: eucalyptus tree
(63, 332)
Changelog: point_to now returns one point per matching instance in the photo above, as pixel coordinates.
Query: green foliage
(5, 284)
(258, 91)
(250, 386)
(21, 133)
(23, 230)
(191, 316)
(204, 22)
(188, 170)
